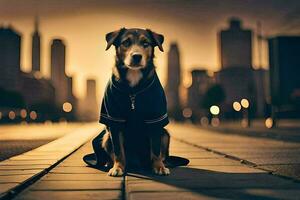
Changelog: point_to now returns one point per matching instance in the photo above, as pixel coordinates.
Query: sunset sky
(192, 23)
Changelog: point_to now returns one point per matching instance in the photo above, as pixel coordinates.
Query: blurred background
(224, 60)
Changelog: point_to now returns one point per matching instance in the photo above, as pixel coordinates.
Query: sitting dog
(134, 104)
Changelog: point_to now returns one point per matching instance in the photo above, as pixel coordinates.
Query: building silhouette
(235, 45)
(59, 79)
(236, 75)
(34, 90)
(36, 47)
(89, 106)
(10, 54)
(196, 92)
(284, 73)
(173, 82)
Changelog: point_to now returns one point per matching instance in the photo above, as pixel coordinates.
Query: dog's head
(134, 47)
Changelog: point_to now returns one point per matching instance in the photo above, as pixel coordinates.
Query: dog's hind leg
(159, 151)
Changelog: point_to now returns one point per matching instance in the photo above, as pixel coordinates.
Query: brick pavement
(210, 174)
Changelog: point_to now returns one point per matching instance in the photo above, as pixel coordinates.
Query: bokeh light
(33, 115)
(236, 106)
(23, 113)
(215, 121)
(245, 103)
(67, 107)
(187, 112)
(11, 115)
(269, 122)
(215, 110)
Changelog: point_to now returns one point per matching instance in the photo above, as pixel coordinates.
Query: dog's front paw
(161, 170)
(115, 171)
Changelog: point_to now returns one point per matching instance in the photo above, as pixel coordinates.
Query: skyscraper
(10, 54)
(284, 71)
(58, 75)
(173, 82)
(235, 45)
(236, 74)
(89, 106)
(36, 47)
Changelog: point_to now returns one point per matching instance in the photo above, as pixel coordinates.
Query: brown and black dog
(134, 105)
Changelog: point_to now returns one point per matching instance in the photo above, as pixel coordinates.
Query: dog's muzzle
(136, 59)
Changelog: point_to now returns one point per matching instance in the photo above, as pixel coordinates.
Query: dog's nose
(136, 58)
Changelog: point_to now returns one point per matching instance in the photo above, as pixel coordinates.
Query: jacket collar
(123, 86)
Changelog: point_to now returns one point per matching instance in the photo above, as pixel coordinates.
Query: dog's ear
(112, 37)
(158, 39)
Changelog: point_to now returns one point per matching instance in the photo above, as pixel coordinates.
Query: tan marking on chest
(134, 77)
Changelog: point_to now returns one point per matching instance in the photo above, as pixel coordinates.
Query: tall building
(284, 72)
(200, 84)
(58, 75)
(236, 75)
(235, 45)
(10, 55)
(36, 47)
(89, 108)
(173, 82)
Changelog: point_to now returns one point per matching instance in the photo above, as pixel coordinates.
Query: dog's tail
(175, 161)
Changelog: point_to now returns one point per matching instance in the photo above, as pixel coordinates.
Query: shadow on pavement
(215, 184)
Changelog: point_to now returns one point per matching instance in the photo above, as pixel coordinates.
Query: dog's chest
(134, 77)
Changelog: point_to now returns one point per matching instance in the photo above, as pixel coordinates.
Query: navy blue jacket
(140, 107)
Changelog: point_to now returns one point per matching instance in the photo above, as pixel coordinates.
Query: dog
(134, 105)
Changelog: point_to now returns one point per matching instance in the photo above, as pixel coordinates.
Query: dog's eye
(146, 44)
(126, 43)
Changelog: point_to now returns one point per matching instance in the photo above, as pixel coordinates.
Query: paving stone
(212, 161)
(6, 186)
(169, 195)
(81, 177)
(14, 178)
(26, 162)
(291, 170)
(213, 194)
(24, 167)
(76, 185)
(20, 172)
(71, 195)
(75, 170)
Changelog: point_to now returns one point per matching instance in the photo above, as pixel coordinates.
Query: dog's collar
(125, 88)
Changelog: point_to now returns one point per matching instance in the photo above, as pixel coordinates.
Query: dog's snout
(136, 58)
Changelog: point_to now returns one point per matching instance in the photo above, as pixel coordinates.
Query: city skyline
(87, 58)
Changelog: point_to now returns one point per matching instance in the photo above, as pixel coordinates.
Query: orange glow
(187, 112)
(215, 122)
(204, 121)
(67, 107)
(269, 122)
(245, 103)
(23, 113)
(236, 106)
(11, 115)
(33, 115)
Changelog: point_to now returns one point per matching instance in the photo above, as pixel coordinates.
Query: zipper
(132, 100)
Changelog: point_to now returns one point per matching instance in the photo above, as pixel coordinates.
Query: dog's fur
(134, 65)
